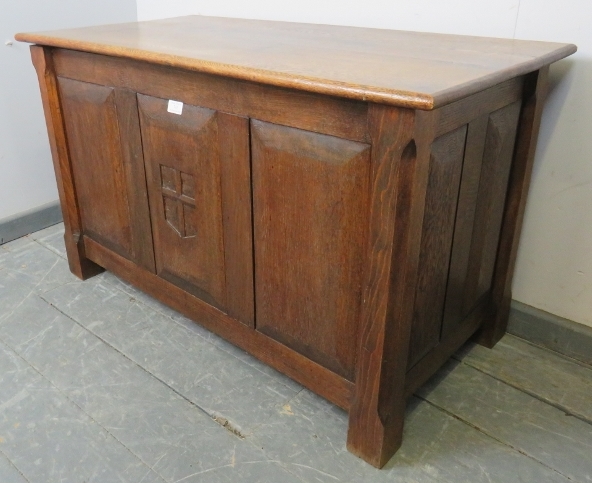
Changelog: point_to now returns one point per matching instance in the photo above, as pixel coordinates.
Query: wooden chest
(342, 203)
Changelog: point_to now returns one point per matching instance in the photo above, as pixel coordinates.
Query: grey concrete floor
(101, 383)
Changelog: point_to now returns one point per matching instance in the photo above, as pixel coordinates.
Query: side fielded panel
(310, 209)
(469, 169)
(446, 163)
(474, 256)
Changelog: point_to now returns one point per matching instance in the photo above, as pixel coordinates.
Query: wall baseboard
(547, 330)
(29, 221)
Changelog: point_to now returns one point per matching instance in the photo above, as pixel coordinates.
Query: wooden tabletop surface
(418, 70)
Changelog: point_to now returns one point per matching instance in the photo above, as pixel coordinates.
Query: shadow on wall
(562, 76)
(554, 269)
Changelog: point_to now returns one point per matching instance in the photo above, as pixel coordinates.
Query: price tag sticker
(175, 107)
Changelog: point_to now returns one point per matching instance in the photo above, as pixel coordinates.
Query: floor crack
(532, 394)
(485, 433)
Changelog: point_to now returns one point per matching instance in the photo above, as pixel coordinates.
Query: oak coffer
(342, 203)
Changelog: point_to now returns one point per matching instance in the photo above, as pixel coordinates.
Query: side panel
(536, 85)
(469, 169)
(310, 212)
(476, 256)
(497, 161)
(494, 184)
(465, 221)
(446, 161)
(103, 139)
(198, 182)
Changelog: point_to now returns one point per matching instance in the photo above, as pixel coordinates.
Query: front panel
(106, 156)
(197, 175)
(310, 217)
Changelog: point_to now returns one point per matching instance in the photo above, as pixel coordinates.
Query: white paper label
(175, 107)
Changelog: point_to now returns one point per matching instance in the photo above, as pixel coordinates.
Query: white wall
(554, 269)
(26, 172)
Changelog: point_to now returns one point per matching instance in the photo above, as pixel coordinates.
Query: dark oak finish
(438, 227)
(399, 182)
(107, 169)
(79, 264)
(495, 168)
(423, 370)
(237, 213)
(467, 109)
(454, 311)
(91, 127)
(190, 158)
(336, 117)
(183, 176)
(536, 85)
(310, 203)
(344, 204)
(135, 176)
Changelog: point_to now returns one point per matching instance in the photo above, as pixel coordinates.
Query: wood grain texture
(310, 201)
(79, 264)
(308, 373)
(454, 310)
(304, 110)
(417, 70)
(135, 177)
(467, 109)
(448, 345)
(467, 228)
(400, 166)
(90, 115)
(446, 162)
(497, 159)
(235, 185)
(536, 86)
(183, 176)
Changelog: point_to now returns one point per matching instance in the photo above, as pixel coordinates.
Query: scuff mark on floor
(228, 426)
(287, 409)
